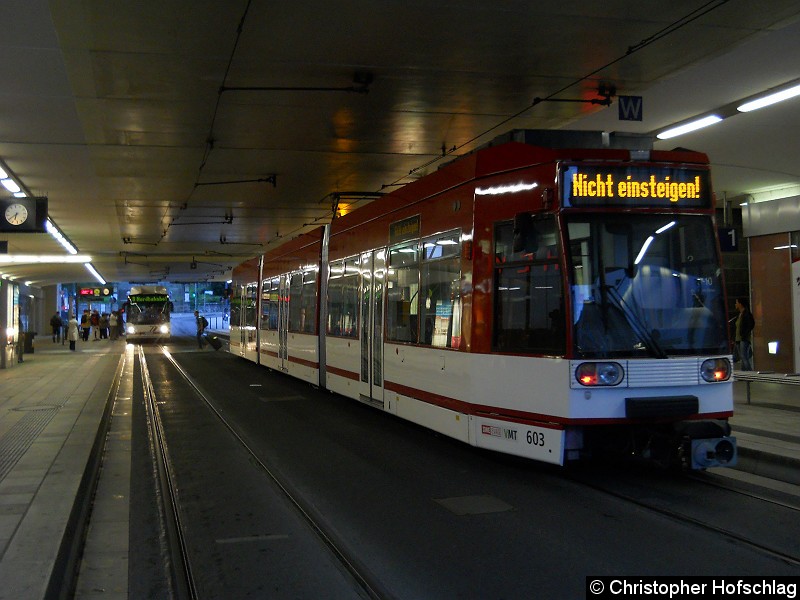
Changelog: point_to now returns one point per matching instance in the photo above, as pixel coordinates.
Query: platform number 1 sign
(728, 239)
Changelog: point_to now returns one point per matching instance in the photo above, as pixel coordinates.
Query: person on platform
(72, 331)
(56, 324)
(85, 325)
(744, 332)
(202, 323)
(94, 321)
(113, 325)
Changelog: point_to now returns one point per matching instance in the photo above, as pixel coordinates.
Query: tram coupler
(706, 444)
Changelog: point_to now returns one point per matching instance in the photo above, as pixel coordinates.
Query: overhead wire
(662, 33)
(676, 25)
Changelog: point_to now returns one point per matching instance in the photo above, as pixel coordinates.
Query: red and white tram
(544, 299)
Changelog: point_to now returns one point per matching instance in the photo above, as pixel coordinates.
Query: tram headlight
(131, 329)
(715, 369)
(164, 329)
(599, 373)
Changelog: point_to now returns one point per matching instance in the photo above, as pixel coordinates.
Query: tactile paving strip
(16, 441)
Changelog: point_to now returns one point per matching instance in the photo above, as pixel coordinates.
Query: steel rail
(684, 518)
(182, 578)
(367, 583)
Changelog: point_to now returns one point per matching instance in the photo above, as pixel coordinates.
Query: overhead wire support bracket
(273, 179)
(224, 240)
(606, 93)
(336, 197)
(354, 89)
(130, 240)
(361, 83)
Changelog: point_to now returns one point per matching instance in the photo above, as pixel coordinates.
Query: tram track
(364, 583)
(182, 581)
(357, 475)
(681, 515)
(711, 479)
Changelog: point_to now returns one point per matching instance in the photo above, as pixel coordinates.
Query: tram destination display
(634, 186)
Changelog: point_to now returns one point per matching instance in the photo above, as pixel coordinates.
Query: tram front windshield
(148, 310)
(645, 285)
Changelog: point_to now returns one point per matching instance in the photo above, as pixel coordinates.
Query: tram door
(250, 329)
(283, 323)
(240, 321)
(373, 276)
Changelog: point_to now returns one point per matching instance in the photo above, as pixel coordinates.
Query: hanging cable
(659, 35)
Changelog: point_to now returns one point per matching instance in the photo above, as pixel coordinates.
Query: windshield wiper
(635, 322)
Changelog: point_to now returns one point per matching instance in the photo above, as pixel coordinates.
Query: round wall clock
(16, 214)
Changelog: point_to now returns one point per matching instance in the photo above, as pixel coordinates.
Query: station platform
(54, 415)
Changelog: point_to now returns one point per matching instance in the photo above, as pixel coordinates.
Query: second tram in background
(147, 313)
(554, 295)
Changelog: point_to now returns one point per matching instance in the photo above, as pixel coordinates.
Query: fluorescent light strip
(60, 237)
(16, 259)
(10, 185)
(773, 98)
(690, 126)
(645, 246)
(505, 189)
(94, 272)
(665, 227)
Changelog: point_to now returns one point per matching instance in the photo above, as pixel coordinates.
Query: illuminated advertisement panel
(644, 186)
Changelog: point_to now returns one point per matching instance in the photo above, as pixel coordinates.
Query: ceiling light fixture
(94, 272)
(20, 259)
(11, 185)
(53, 230)
(690, 126)
(771, 98)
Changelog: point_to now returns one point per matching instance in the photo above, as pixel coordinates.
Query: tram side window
(308, 311)
(402, 294)
(236, 307)
(274, 300)
(295, 301)
(266, 308)
(269, 303)
(251, 296)
(440, 305)
(528, 313)
(343, 299)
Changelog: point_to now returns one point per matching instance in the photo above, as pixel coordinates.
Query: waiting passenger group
(92, 323)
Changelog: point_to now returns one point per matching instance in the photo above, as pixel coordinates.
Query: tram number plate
(534, 438)
(539, 443)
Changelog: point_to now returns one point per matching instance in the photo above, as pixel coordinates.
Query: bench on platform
(766, 377)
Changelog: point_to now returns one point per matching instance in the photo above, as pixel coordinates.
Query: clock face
(16, 214)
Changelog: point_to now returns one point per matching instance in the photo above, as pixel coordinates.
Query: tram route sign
(406, 229)
(647, 186)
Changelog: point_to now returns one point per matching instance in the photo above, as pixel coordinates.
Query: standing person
(56, 324)
(744, 331)
(112, 325)
(94, 321)
(104, 326)
(85, 325)
(202, 323)
(72, 331)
